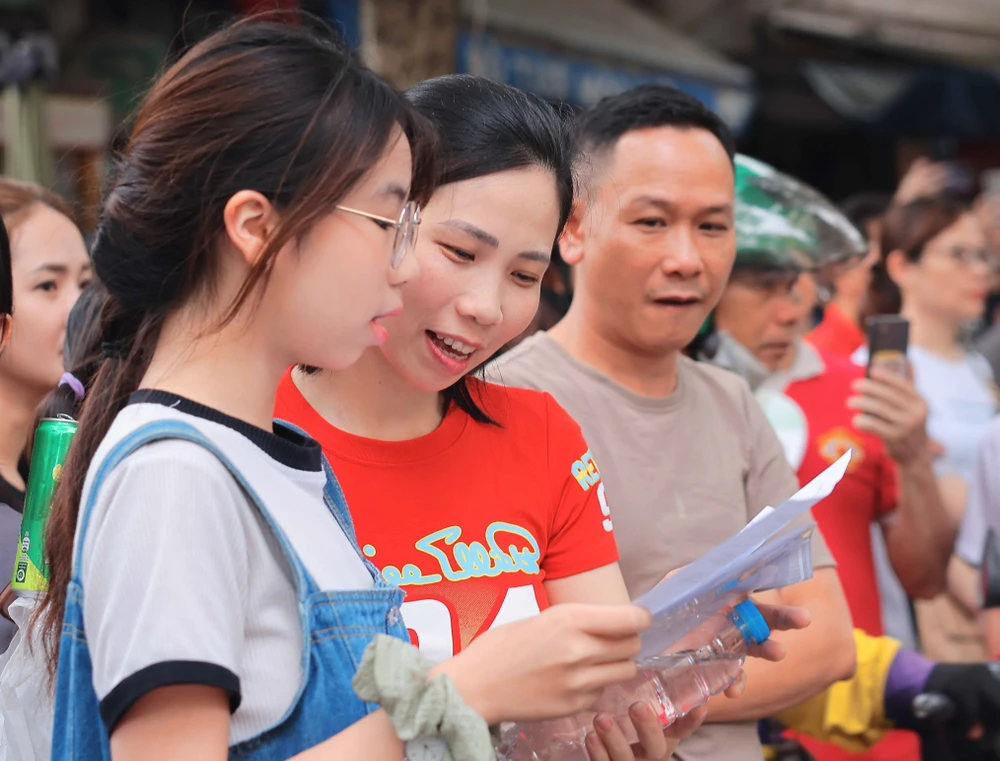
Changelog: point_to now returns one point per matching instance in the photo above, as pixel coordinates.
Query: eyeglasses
(406, 228)
(969, 257)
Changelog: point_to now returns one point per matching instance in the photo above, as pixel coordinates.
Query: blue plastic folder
(772, 551)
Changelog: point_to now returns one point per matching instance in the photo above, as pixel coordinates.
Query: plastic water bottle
(674, 684)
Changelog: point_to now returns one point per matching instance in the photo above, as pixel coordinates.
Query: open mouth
(677, 301)
(450, 347)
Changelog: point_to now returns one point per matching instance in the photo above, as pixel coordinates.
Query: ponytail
(116, 379)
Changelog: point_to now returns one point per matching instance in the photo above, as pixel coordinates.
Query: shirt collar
(806, 365)
(735, 357)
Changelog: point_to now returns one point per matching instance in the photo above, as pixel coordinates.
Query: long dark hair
(908, 228)
(277, 108)
(483, 128)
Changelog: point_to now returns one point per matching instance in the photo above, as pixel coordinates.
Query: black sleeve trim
(131, 688)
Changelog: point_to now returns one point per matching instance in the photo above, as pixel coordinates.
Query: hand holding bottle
(553, 664)
(655, 743)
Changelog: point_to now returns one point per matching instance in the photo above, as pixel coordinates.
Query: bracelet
(393, 674)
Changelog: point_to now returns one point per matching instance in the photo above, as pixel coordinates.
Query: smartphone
(888, 338)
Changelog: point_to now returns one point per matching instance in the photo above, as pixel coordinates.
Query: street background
(841, 93)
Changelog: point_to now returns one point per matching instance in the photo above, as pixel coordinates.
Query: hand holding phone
(889, 406)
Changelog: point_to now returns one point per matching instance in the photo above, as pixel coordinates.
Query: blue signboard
(558, 77)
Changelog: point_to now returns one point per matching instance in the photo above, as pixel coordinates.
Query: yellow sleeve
(850, 713)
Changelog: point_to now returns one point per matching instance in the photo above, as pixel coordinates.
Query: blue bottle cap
(750, 623)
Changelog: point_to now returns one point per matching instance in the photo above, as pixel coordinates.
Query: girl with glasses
(207, 597)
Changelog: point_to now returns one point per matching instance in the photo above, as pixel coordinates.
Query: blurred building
(569, 51)
(849, 91)
(844, 93)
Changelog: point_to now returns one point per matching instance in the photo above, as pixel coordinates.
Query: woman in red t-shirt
(482, 502)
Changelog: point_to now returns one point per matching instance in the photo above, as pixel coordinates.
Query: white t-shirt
(960, 406)
(184, 581)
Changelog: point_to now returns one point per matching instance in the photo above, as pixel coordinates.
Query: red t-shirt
(836, 333)
(472, 518)
(867, 492)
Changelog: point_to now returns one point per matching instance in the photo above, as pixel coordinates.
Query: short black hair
(644, 107)
(862, 208)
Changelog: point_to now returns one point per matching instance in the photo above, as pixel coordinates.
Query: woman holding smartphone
(207, 597)
(935, 272)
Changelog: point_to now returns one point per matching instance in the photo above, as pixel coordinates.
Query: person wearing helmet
(821, 405)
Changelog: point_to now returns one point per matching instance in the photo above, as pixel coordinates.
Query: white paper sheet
(727, 568)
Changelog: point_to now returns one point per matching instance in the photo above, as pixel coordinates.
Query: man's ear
(571, 242)
(250, 220)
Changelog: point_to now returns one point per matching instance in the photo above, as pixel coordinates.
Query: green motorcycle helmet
(783, 223)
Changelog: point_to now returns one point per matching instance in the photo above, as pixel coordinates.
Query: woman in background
(935, 271)
(49, 265)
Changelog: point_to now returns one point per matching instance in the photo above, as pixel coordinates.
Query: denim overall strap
(337, 502)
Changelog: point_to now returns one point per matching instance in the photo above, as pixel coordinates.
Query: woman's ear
(898, 267)
(250, 221)
(573, 238)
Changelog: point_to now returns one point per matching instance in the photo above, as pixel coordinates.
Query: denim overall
(336, 628)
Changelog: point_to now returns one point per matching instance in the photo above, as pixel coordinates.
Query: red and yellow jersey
(471, 519)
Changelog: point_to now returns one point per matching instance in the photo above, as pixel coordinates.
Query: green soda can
(52, 440)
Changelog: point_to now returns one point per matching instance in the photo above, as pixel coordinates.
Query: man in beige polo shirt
(687, 455)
